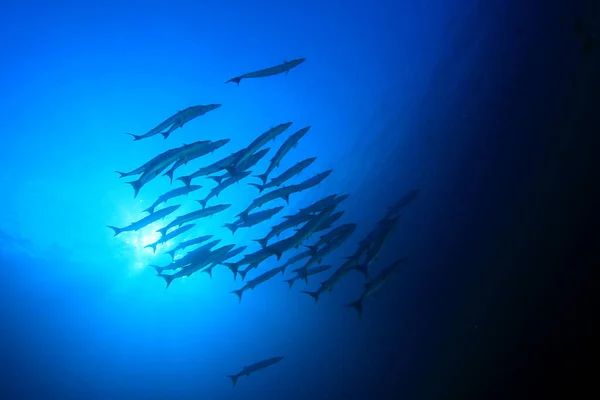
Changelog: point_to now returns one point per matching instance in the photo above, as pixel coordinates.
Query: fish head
(296, 61)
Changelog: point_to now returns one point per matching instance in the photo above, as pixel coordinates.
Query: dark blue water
(483, 106)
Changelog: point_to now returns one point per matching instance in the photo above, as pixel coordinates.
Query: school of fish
(317, 222)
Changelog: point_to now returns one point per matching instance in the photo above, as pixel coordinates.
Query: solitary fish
(254, 367)
(136, 226)
(277, 69)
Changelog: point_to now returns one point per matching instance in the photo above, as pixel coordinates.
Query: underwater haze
(387, 91)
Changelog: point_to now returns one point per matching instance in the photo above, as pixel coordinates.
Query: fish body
(147, 220)
(274, 70)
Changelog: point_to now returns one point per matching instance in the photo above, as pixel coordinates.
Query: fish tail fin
(122, 174)
(233, 378)
(203, 202)
(243, 273)
(314, 295)
(217, 179)
(209, 270)
(358, 306)
(152, 245)
(136, 185)
(168, 279)
(264, 242)
(236, 80)
(290, 282)
(231, 227)
(263, 178)
(162, 231)
(186, 180)
(172, 253)
(170, 173)
(233, 267)
(258, 186)
(115, 229)
(150, 210)
(306, 278)
(135, 137)
(238, 293)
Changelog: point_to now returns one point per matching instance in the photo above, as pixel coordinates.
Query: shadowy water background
(487, 107)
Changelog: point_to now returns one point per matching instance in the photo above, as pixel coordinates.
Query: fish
(319, 254)
(310, 271)
(161, 163)
(252, 259)
(189, 258)
(327, 285)
(175, 121)
(288, 223)
(170, 236)
(256, 144)
(314, 181)
(211, 147)
(283, 192)
(294, 241)
(221, 260)
(188, 243)
(403, 202)
(200, 261)
(334, 233)
(285, 67)
(253, 219)
(257, 366)
(163, 198)
(288, 145)
(182, 219)
(212, 168)
(262, 278)
(222, 186)
(147, 220)
(322, 204)
(379, 242)
(286, 175)
(376, 284)
(248, 163)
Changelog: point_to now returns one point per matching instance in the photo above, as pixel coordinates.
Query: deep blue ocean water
(398, 94)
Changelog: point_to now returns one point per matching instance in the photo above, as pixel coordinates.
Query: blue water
(385, 89)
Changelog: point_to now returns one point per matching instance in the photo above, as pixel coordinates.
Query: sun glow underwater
(196, 247)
